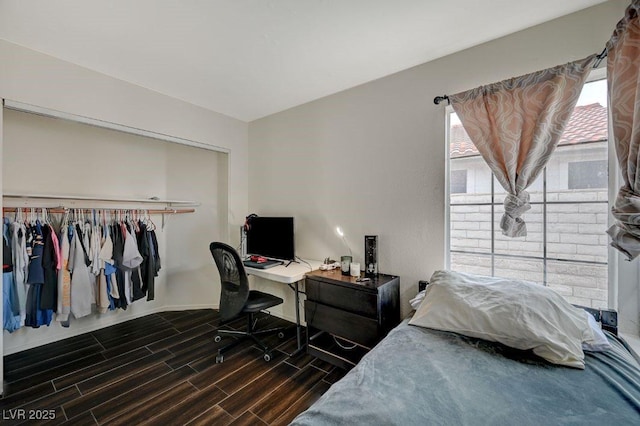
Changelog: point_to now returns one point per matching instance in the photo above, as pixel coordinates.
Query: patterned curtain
(623, 77)
(516, 125)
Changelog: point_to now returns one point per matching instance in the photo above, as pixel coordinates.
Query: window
(458, 181)
(587, 174)
(566, 247)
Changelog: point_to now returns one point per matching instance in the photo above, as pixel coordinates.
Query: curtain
(623, 78)
(516, 125)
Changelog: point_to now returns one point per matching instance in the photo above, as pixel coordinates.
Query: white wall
(33, 78)
(195, 174)
(372, 159)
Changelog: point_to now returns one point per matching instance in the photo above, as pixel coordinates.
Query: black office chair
(237, 299)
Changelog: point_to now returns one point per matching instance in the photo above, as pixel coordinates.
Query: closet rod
(152, 200)
(85, 210)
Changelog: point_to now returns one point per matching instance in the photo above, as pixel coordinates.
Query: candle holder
(345, 264)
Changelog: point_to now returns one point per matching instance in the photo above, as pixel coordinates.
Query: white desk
(290, 275)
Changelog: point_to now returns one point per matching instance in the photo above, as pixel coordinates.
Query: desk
(291, 275)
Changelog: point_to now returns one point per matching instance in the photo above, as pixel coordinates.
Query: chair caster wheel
(219, 358)
(267, 356)
(281, 335)
(217, 339)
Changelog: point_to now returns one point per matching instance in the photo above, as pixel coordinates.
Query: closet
(66, 166)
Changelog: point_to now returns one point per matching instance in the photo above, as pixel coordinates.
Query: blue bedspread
(417, 376)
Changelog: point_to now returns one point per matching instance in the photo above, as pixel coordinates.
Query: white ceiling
(251, 58)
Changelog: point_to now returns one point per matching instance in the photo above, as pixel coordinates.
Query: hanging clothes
(10, 303)
(106, 259)
(112, 285)
(154, 246)
(131, 260)
(97, 267)
(87, 236)
(143, 247)
(36, 246)
(64, 276)
(48, 297)
(155, 253)
(20, 264)
(106, 255)
(35, 316)
(118, 251)
(110, 264)
(82, 294)
(150, 266)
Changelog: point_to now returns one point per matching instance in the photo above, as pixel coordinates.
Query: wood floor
(160, 369)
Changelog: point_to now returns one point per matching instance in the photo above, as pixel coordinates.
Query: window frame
(613, 180)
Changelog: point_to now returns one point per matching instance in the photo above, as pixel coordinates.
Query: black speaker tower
(370, 255)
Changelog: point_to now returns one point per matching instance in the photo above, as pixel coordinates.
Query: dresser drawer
(345, 298)
(354, 327)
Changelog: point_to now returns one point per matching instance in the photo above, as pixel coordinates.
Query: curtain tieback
(625, 232)
(626, 208)
(512, 224)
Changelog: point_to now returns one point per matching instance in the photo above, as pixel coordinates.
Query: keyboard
(262, 265)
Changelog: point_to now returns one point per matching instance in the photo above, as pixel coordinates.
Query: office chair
(236, 299)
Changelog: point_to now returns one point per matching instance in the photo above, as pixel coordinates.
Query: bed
(418, 375)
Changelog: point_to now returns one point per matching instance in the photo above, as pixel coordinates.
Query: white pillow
(600, 342)
(516, 313)
(416, 301)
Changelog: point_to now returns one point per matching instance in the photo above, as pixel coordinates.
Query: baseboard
(188, 307)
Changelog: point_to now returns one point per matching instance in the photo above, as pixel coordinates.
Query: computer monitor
(271, 237)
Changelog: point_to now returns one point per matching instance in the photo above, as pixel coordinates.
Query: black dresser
(346, 318)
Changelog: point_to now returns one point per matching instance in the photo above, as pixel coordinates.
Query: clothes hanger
(135, 226)
(153, 225)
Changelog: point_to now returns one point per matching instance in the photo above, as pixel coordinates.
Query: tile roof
(588, 123)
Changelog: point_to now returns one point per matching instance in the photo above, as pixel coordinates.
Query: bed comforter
(418, 376)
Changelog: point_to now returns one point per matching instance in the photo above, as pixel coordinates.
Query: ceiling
(251, 58)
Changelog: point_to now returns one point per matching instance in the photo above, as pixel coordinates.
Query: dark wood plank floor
(160, 369)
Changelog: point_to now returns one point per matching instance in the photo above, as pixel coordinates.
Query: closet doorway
(45, 155)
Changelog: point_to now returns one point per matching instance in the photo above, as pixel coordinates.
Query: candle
(355, 269)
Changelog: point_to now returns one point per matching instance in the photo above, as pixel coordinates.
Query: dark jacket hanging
(48, 293)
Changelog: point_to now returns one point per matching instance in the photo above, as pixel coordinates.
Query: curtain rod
(599, 59)
(439, 99)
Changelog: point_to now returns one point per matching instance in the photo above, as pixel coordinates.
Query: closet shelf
(25, 198)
